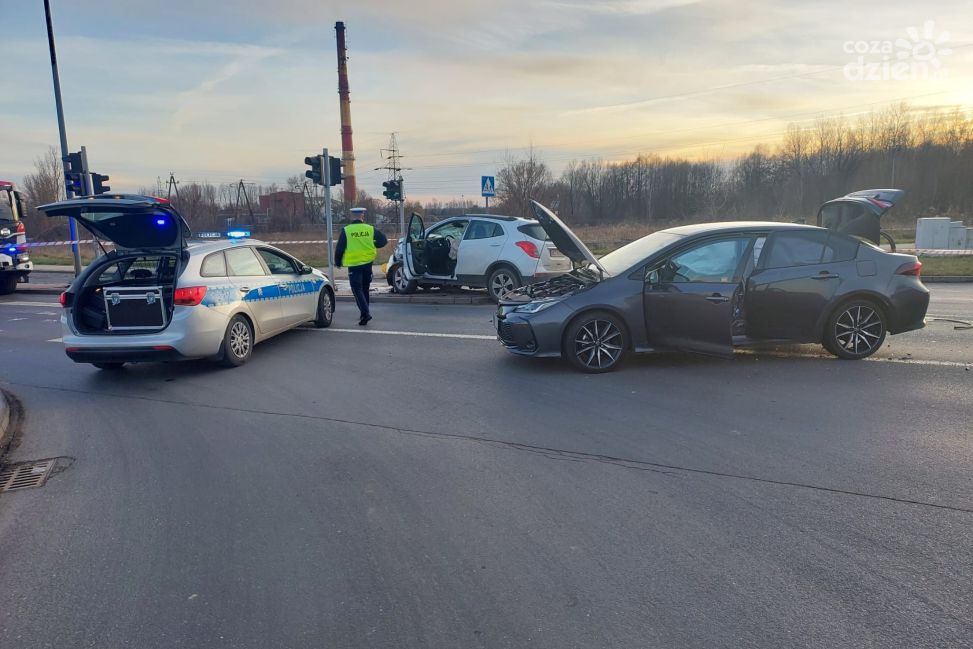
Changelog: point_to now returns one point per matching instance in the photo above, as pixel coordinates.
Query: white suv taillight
(529, 248)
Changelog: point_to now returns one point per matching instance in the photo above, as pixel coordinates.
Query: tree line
(928, 153)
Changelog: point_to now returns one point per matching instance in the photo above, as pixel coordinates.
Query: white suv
(499, 253)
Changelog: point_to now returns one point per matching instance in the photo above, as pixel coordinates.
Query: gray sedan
(709, 288)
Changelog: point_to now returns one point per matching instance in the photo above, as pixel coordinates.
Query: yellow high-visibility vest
(359, 245)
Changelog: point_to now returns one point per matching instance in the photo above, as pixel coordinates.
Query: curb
(7, 421)
(41, 289)
(420, 299)
(945, 279)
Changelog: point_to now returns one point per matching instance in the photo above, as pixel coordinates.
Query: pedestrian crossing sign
(488, 186)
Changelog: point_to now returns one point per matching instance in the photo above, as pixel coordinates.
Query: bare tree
(521, 181)
(46, 184)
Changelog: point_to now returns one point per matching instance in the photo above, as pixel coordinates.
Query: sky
(222, 90)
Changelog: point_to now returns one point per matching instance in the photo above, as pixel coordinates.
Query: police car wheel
(325, 312)
(237, 342)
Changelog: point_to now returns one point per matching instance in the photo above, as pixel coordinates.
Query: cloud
(194, 102)
(248, 91)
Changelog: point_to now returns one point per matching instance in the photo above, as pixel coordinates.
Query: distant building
(287, 207)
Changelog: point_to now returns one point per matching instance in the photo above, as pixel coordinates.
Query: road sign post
(326, 173)
(488, 188)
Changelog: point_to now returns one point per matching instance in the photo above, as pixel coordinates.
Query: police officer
(356, 250)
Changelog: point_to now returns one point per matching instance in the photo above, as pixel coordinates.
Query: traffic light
(314, 173)
(334, 167)
(74, 174)
(393, 190)
(98, 185)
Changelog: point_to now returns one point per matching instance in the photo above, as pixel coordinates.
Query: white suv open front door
(415, 248)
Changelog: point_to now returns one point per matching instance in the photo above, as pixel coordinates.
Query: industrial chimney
(344, 101)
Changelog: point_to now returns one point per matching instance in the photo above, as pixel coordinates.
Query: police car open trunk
(125, 294)
(131, 289)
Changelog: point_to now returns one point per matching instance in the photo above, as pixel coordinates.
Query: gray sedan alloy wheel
(855, 331)
(596, 343)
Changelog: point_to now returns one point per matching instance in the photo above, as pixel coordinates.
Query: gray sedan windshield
(620, 260)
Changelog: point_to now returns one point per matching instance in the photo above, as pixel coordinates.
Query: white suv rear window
(534, 230)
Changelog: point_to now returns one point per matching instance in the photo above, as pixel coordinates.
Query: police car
(161, 295)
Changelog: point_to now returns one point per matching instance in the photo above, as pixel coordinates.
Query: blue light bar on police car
(237, 234)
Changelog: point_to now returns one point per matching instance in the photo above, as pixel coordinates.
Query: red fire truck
(15, 264)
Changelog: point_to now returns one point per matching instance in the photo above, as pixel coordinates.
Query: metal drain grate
(24, 475)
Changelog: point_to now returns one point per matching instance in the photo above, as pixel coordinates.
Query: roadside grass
(60, 259)
(947, 266)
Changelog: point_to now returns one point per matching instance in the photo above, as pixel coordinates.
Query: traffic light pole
(326, 177)
(86, 174)
(402, 211)
(60, 126)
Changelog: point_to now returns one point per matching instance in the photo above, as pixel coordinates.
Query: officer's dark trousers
(361, 278)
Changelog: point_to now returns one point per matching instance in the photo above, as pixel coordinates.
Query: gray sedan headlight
(535, 307)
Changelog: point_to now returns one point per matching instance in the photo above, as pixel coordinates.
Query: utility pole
(172, 186)
(392, 164)
(60, 126)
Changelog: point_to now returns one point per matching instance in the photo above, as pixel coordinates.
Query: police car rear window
(214, 265)
(243, 262)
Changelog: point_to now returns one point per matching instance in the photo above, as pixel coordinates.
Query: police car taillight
(189, 295)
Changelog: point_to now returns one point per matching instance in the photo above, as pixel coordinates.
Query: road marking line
(46, 305)
(901, 361)
(54, 340)
(420, 334)
(918, 361)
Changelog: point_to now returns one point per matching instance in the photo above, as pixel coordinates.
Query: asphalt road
(350, 489)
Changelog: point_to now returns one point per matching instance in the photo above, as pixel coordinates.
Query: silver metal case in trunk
(135, 308)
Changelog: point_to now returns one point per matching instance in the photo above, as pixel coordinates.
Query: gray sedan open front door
(689, 299)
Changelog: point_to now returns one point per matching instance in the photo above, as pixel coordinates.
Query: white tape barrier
(43, 244)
